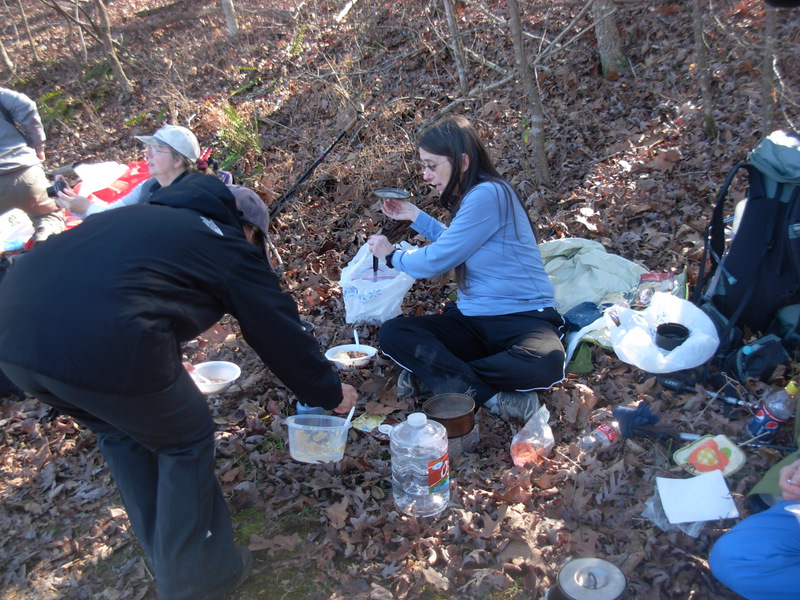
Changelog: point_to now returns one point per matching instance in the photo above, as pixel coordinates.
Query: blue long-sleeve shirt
(504, 269)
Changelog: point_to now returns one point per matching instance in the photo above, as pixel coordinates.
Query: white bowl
(221, 375)
(337, 355)
(317, 438)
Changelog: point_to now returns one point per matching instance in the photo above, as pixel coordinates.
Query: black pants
(160, 450)
(479, 356)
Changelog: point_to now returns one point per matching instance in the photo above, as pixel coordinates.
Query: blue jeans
(759, 558)
(160, 451)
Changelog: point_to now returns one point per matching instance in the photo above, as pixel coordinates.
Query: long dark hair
(455, 137)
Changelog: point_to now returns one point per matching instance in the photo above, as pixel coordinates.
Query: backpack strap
(714, 246)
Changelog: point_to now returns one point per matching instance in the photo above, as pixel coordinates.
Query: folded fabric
(582, 271)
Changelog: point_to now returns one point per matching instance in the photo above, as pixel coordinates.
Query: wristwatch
(388, 259)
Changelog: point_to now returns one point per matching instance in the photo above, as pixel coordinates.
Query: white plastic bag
(632, 334)
(373, 297)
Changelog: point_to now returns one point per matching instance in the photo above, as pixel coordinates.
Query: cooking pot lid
(592, 579)
(395, 193)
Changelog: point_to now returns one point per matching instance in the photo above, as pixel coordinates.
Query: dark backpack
(743, 282)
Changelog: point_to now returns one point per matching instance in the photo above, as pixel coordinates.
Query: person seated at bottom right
(759, 558)
(501, 341)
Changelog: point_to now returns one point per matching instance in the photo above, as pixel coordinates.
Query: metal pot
(455, 411)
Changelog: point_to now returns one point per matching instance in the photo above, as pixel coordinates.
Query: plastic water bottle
(775, 408)
(420, 466)
(601, 436)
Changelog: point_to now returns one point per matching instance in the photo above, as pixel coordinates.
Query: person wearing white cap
(171, 152)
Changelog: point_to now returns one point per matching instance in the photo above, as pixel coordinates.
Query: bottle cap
(417, 419)
(792, 388)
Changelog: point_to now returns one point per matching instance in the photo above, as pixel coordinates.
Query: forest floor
(631, 168)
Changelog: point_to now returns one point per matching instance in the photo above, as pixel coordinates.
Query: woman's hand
(400, 210)
(789, 481)
(349, 398)
(77, 205)
(380, 246)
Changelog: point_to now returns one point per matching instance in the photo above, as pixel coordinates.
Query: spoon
(355, 335)
(349, 416)
(199, 378)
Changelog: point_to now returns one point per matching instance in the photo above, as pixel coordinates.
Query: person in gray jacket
(23, 183)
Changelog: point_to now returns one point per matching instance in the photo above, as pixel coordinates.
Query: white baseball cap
(176, 137)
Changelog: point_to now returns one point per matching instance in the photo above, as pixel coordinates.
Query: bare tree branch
(456, 46)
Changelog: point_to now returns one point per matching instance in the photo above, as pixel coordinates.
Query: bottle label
(439, 474)
(608, 431)
(764, 426)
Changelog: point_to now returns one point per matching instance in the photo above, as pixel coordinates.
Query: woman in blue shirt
(500, 341)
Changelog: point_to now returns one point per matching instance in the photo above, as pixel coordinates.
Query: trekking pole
(677, 385)
(293, 190)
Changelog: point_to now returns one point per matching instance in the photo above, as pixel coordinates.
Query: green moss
(247, 522)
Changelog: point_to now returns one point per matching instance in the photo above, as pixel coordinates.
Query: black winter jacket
(106, 305)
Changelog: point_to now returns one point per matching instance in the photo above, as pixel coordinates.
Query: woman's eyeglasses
(151, 150)
(432, 168)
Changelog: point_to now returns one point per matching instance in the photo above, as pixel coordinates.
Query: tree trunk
(768, 70)
(612, 58)
(702, 71)
(28, 32)
(230, 19)
(457, 47)
(108, 47)
(540, 166)
(8, 66)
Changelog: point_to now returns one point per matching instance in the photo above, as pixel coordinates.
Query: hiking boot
(247, 565)
(237, 578)
(410, 386)
(513, 405)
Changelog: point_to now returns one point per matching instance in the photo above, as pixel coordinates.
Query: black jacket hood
(204, 194)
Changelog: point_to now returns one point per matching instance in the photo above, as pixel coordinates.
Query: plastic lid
(417, 420)
(792, 388)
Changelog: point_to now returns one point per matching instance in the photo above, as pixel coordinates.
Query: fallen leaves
(631, 168)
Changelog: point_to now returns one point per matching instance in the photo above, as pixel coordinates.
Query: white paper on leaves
(702, 498)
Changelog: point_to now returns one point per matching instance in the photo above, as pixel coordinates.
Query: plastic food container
(317, 438)
(218, 373)
(339, 356)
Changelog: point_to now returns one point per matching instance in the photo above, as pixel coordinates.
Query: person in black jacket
(91, 322)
